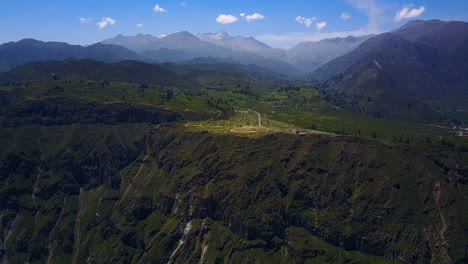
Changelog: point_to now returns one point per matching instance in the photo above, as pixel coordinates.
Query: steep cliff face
(60, 111)
(138, 191)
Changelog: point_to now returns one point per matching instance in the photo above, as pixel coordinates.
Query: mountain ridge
(425, 65)
(306, 56)
(30, 50)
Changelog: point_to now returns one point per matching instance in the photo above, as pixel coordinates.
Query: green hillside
(202, 166)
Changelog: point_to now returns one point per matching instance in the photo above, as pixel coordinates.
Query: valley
(219, 149)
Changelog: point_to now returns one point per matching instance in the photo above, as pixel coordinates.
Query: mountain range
(183, 46)
(13, 54)
(306, 56)
(414, 65)
(407, 70)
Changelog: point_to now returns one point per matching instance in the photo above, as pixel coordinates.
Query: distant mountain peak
(144, 35)
(183, 35)
(29, 40)
(420, 22)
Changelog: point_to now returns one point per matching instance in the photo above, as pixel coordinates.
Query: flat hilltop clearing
(245, 123)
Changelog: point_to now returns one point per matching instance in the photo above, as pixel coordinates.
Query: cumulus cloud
(226, 19)
(105, 22)
(85, 20)
(345, 16)
(159, 9)
(242, 14)
(307, 21)
(409, 12)
(321, 25)
(255, 16)
(139, 25)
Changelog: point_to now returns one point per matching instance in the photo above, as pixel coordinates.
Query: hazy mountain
(194, 47)
(167, 55)
(109, 53)
(137, 43)
(30, 50)
(242, 43)
(308, 56)
(216, 38)
(205, 65)
(172, 48)
(183, 46)
(423, 62)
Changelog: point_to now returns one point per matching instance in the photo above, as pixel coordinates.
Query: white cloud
(409, 12)
(162, 35)
(345, 16)
(255, 16)
(105, 22)
(183, 4)
(242, 14)
(139, 25)
(307, 21)
(321, 25)
(159, 9)
(226, 19)
(372, 9)
(85, 20)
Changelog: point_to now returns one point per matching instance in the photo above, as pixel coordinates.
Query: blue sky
(278, 23)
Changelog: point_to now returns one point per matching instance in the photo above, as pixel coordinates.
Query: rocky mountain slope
(416, 71)
(308, 56)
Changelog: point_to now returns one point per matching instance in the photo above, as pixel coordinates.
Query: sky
(280, 24)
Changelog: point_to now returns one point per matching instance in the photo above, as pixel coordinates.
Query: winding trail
(259, 117)
(437, 193)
